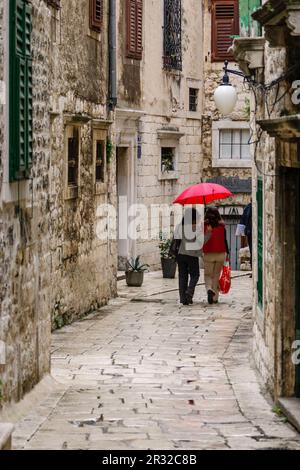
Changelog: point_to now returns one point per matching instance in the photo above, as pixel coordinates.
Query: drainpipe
(112, 36)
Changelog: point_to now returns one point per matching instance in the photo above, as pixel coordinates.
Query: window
(100, 152)
(260, 244)
(134, 29)
(193, 99)
(73, 156)
(96, 14)
(172, 35)
(234, 144)
(54, 3)
(20, 89)
(230, 144)
(167, 159)
(225, 25)
(100, 161)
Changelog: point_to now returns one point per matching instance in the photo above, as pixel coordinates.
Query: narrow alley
(147, 373)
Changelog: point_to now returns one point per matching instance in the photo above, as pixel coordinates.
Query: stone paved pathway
(150, 374)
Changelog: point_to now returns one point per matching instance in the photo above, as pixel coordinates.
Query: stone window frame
(197, 84)
(169, 139)
(72, 192)
(217, 162)
(193, 99)
(99, 134)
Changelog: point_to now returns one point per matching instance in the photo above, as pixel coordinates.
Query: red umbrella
(202, 193)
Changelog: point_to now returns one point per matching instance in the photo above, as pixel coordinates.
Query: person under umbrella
(215, 250)
(189, 252)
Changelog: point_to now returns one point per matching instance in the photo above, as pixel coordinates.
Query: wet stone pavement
(147, 373)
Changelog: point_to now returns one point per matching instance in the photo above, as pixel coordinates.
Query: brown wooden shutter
(134, 29)
(96, 14)
(225, 24)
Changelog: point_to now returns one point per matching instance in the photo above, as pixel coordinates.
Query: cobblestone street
(147, 373)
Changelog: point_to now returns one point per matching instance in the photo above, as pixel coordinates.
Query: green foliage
(270, 7)
(247, 108)
(167, 160)
(164, 246)
(59, 322)
(277, 410)
(134, 264)
(109, 150)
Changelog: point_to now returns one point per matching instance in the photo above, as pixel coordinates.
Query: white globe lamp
(225, 95)
(225, 98)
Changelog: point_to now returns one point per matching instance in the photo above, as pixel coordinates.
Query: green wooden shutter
(260, 242)
(20, 86)
(297, 278)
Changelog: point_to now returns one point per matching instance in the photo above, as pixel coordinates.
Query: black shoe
(189, 299)
(210, 297)
(185, 302)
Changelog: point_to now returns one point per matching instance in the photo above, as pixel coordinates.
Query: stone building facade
(273, 61)
(81, 134)
(159, 112)
(56, 169)
(226, 152)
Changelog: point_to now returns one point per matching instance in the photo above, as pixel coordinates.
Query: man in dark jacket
(246, 225)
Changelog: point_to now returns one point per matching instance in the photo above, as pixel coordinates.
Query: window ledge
(72, 192)
(219, 163)
(284, 127)
(171, 134)
(101, 188)
(168, 175)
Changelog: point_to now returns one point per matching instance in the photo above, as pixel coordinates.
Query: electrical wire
(255, 131)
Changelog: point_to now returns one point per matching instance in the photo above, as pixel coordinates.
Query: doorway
(126, 196)
(234, 242)
(122, 195)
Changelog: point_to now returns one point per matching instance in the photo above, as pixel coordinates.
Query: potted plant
(168, 262)
(135, 272)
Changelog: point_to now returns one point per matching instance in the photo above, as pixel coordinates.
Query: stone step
(6, 431)
(291, 408)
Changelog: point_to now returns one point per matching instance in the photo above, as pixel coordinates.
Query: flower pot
(134, 278)
(168, 267)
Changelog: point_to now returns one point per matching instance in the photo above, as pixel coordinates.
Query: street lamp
(225, 95)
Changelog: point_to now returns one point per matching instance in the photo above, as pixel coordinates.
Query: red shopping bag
(225, 278)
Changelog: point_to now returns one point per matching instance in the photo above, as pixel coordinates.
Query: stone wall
(79, 85)
(24, 231)
(52, 260)
(270, 342)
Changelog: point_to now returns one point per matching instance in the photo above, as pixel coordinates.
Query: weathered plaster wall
(163, 97)
(129, 70)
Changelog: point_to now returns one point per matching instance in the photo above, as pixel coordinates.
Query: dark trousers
(188, 267)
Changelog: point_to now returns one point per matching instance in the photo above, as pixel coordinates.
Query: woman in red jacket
(215, 251)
